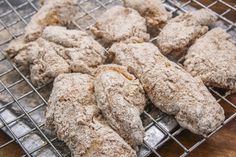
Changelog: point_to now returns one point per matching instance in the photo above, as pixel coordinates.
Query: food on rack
(83, 53)
(121, 99)
(120, 24)
(213, 58)
(53, 12)
(73, 114)
(58, 51)
(181, 31)
(153, 10)
(14, 46)
(169, 87)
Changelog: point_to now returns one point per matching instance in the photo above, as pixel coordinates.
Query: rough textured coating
(120, 24)
(73, 114)
(181, 31)
(58, 51)
(15, 46)
(53, 12)
(84, 53)
(121, 99)
(170, 88)
(45, 62)
(152, 10)
(213, 59)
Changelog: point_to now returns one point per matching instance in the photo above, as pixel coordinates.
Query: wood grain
(221, 144)
(11, 150)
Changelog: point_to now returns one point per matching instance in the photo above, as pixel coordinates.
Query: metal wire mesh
(17, 89)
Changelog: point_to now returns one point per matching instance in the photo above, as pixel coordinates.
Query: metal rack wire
(18, 90)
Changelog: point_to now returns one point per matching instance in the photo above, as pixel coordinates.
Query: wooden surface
(221, 144)
(11, 150)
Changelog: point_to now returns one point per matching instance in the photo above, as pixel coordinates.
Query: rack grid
(24, 102)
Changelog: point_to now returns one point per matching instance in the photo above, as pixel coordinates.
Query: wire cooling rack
(22, 105)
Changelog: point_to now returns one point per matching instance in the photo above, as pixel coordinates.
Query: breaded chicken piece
(58, 51)
(83, 52)
(180, 32)
(14, 47)
(170, 88)
(213, 58)
(120, 24)
(152, 10)
(46, 64)
(121, 99)
(53, 12)
(73, 114)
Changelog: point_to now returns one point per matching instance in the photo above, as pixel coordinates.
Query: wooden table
(11, 150)
(221, 144)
